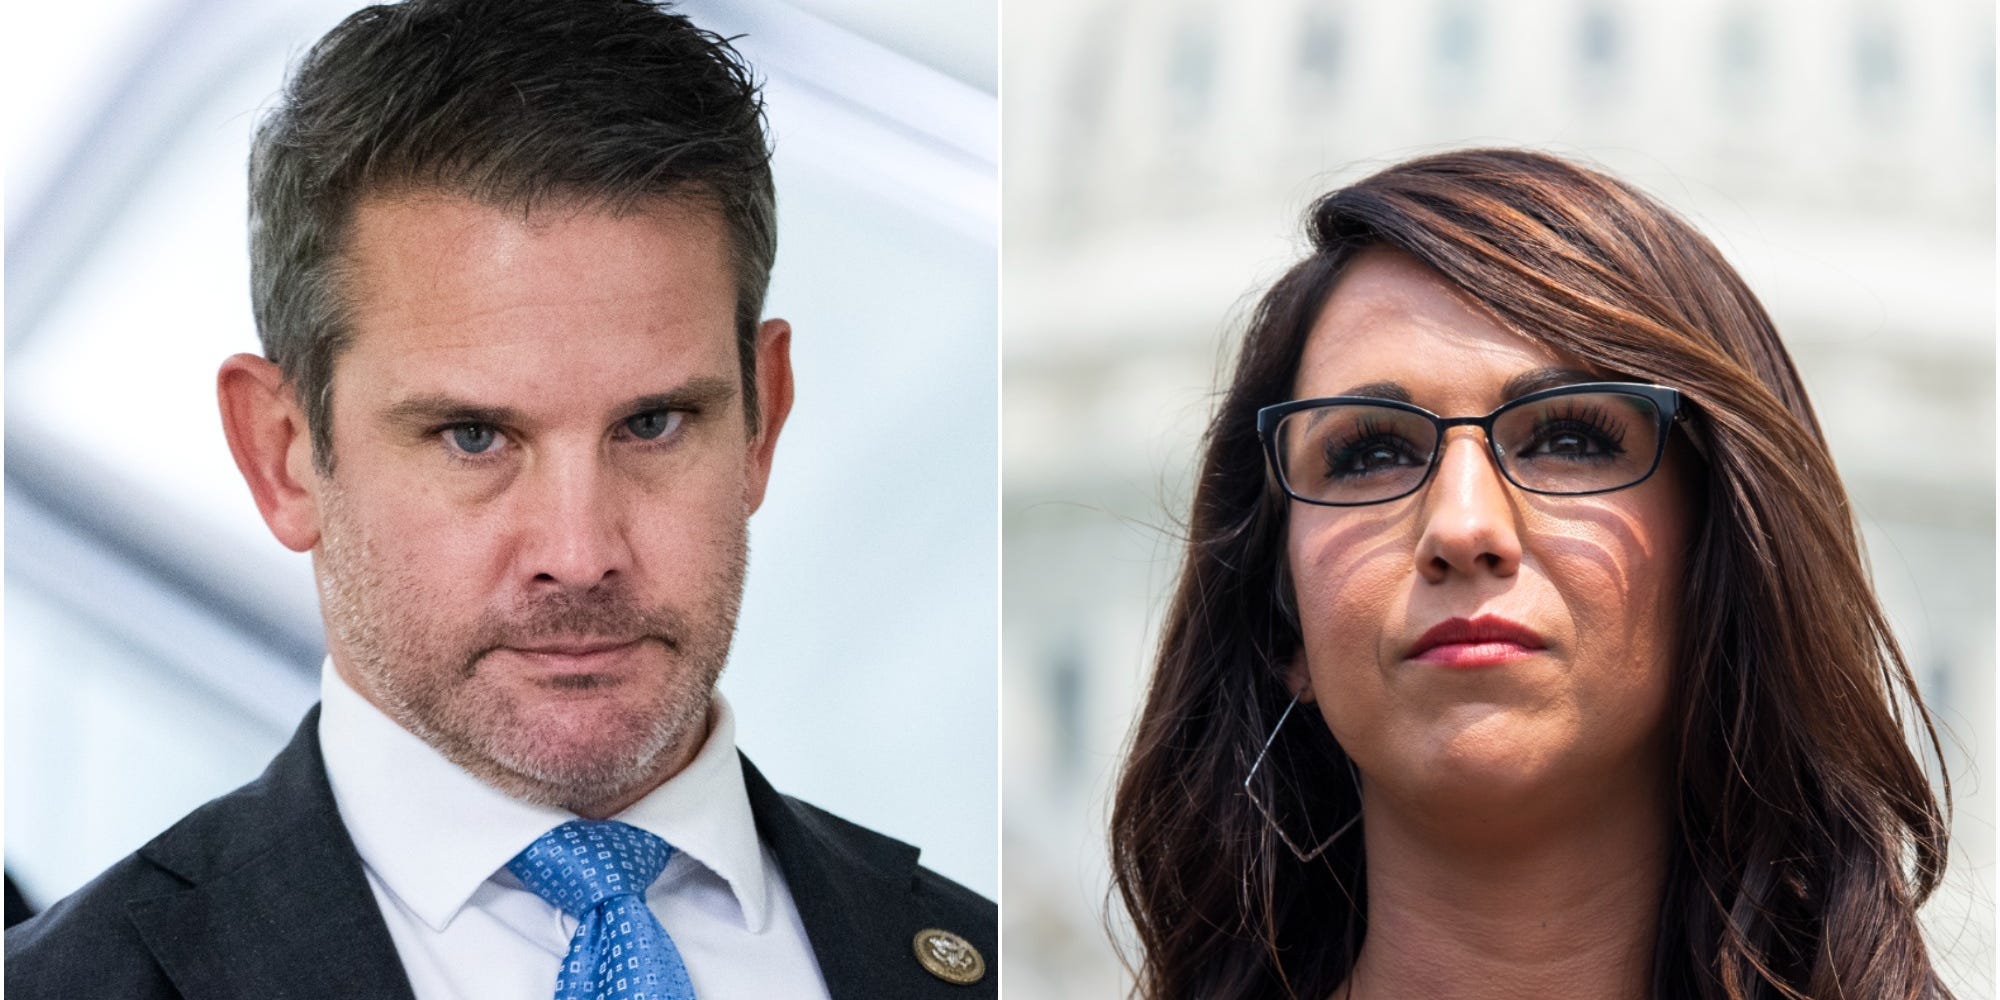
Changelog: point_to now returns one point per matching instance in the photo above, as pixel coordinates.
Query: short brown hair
(515, 103)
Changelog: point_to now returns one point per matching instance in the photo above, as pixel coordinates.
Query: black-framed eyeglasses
(1575, 440)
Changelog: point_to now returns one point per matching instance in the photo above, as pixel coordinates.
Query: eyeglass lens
(1353, 453)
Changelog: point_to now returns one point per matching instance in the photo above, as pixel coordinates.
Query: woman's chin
(1495, 775)
(1479, 764)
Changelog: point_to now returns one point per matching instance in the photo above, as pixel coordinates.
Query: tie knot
(584, 862)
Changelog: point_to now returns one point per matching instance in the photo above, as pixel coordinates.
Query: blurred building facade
(1158, 158)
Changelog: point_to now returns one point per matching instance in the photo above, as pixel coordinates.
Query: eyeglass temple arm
(1684, 416)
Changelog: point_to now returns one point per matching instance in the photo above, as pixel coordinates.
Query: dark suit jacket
(261, 894)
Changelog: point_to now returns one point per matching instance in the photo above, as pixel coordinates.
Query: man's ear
(774, 403)
(272, 446)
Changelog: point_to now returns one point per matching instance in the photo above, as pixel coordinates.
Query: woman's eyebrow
(1380, 390)
(1537, 379)
(1532, 380)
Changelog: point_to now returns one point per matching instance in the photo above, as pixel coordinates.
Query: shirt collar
(435, 833)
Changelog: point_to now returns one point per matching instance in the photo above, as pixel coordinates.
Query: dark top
(260, 893)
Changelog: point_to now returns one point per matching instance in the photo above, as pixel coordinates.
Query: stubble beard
(427, 675)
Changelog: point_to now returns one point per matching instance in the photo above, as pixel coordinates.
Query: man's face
(532, 546)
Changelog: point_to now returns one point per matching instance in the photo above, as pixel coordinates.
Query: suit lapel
(849, 885)
(277, 904)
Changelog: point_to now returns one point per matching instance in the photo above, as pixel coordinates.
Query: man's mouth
(576, 656)
(574, 647)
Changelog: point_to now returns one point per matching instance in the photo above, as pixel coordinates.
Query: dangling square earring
(1270, 820)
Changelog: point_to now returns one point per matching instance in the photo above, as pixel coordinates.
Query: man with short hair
(518, 401)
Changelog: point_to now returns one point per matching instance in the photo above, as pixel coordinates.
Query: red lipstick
(1465, 643)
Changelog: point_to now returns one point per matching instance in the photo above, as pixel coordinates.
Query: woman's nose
(1470, 522)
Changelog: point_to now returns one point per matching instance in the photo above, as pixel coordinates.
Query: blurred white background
(1159, 156)
(160, 645)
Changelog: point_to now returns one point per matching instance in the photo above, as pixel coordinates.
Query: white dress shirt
(435, 842)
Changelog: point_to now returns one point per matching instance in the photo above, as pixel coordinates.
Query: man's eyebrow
(696, 393)
(1537, 379)
(440, 408)
(433, 409)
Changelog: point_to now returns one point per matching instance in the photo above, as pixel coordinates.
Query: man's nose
(1468, 512)
(576, 522)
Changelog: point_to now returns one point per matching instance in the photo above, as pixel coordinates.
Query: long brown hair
(1806, 832)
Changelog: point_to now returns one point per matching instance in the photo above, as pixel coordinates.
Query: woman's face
(1559, 693)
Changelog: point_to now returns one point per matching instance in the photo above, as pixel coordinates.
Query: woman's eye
(473, 439)
(1572, 442)
(1569, 443)
(654, 425)
(1368, 456)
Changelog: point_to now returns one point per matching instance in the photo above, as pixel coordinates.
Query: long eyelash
(1345, 443)
(1592, 418)
(1335, 452)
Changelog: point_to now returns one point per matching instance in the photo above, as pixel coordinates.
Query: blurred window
(1086, 89)
(1320, 51)
(1600, 52)
(1740, 59)
(1191, 70)
(1983, 82)
(1457, 41)
(1877, 67)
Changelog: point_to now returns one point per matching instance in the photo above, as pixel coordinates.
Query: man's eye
(655, 424)
(473, 439)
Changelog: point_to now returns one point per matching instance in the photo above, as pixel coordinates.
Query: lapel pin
(949, 957)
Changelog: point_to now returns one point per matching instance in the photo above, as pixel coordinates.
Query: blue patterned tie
(597, 871)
